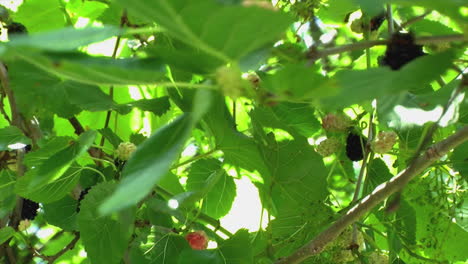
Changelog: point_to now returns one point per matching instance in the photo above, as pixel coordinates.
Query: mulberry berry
(16, 28)
(328, 147)
(29, 209)
(125, 150)
(230, 81)
(336, 122)
(401, 50)
(197, 240)
(82, 195)
(355, 146)
(384, 142)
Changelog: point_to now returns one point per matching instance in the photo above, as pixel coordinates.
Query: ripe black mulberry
(401, 50)
(354, 146)
(82, 195)
(16, 28)
(29, 209)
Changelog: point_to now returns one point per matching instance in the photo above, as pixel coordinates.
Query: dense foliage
(130, 128)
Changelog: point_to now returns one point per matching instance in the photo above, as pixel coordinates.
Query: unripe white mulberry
(328, 146)
(24, 224)
(336, 122)
(384, 142)
(125, 150)
(377, 258)
(230, 81)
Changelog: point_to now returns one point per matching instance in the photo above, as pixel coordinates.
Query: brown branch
(414, 19)
(70, 246)
(379, 194)
(317, 54)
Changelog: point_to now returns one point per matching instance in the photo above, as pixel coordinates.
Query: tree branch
(379, 194)
(314, 54)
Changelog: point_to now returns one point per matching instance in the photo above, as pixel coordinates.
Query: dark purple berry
(16, 28)
(29, 209)
(82, 195)
(377, 21)
(401, 50)
(354, 146)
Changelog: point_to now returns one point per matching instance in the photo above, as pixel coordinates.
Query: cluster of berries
(355, 143)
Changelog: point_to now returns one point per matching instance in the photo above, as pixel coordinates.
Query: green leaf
(7, 194)
(88, 97)
(110, 136)
(217, 188)
(336, 11)
(298, 173)
(40, 15)
(157, 106)
(295, 225)
(153, 158)
(96, 70)
(6, 233)
(105, 238)
(357, 86)
(227, 32)
(55, 166)
(238, 149)
(47, 149)
(62, 213)
(377, 173)
(237, 249)
(460, 159)
(54, 40)
(294, 118)
(190, 256)
(149, 164)
(12, 135)
(170, 249)
(298, 83)
(49, 192)
(31, 84)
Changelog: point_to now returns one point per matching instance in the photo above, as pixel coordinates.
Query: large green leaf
(153, 158)
(62, 213)
(237, 249)
(227, 32)
(356, 86)
(7, 194)
(40, 15)
(105, 237)
(239, 149)
(296, 225)
(6, 233)
(217, 188)
(377, 173)
(298, 83)
(95, 70)
(49, 192)
(293, 117)
(54, 40)
(11, 135)
(298, 173)
(55, 166)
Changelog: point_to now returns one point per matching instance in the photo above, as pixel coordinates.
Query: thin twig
(317, 54)
(379, 194)
(70, 246)
(123, 21)
(415, 19)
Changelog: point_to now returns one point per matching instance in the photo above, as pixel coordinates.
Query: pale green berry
(125, 150)
(328, 146)
(230, 81)
(384, 142)
(336, 122)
